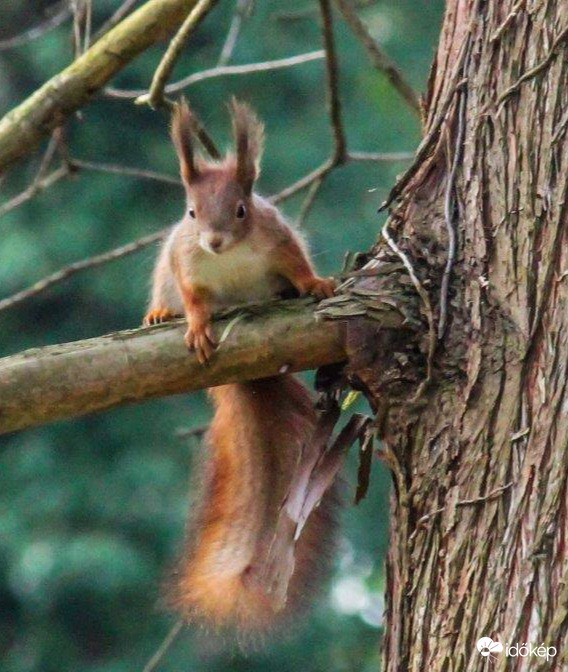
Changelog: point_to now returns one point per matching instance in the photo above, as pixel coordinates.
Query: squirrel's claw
(157, 316)
(322, 288)
(201, 341)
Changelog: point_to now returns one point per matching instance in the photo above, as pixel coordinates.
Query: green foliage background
(92, 510)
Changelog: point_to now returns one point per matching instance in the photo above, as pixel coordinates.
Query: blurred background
(92, 511)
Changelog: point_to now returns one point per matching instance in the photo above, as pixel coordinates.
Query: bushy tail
(227, 575)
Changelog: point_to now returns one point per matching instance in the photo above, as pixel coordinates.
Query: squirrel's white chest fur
(238, 275)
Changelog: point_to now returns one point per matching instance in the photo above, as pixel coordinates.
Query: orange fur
(232, 246)
(253, 446)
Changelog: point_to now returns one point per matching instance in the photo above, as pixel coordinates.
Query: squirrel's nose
(216, 242)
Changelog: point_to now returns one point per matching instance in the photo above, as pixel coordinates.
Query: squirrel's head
(219, 194)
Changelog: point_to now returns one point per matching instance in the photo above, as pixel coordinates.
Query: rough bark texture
(23, 128)
(480, 457)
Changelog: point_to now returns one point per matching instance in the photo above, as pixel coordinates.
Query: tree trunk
(480, 455)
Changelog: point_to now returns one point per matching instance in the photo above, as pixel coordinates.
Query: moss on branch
(23, 127)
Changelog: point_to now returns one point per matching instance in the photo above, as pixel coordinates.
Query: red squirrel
(232, 246)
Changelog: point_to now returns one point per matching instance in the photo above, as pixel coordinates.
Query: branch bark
(62, 381)
(24, 127)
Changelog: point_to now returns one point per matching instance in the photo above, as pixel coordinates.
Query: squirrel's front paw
(321, 288)
(157, 316)
(202, 341)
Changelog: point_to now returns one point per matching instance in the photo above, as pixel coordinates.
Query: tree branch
(70, 270)
(23, 128)
(222, 71)
(155, 97)
(332, 77)
(56, 382)
(242, 11)
(378, 58)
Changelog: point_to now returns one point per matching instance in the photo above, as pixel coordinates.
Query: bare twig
(242, 11)
(332, 77)
(70, 270)
(164, 647)
(40, 181)
(23, 127)
(310, 180)
(379, 59)
(326, 167)
(155, 97)
(380, 157)
(115, 19)
(193, 433)
(88, 25)
(226, 70)
(309, 200)
(35, 187)
(54, 21)
(339, 154)
(71, 166)
(302, 183)
(125, 170)
(79, 8)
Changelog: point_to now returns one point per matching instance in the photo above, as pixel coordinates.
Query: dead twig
(71, 167)
(380, 157)
(164, 647)
(326, 167)
(302, 183)
(195, 432)
(155, 97)
(339, 153)
(242, 11)
(137, 245)
(35, 187)
(223, 71)
(70, 270)
(125, 170)
(309, 201)
(332, 82)
(378, 58)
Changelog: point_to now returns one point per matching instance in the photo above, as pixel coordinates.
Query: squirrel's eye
(192, 213)
(241, 211)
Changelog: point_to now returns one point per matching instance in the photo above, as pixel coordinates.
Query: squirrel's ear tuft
(248, 132)
(182, 136)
